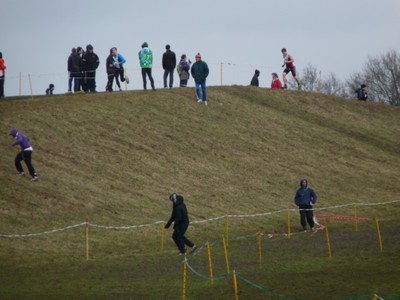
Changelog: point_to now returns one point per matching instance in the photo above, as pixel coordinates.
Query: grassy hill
(114, 158)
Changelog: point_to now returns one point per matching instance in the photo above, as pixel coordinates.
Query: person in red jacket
(275, 83)
(2, 75)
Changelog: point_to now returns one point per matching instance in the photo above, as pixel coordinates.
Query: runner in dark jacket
(181, 222)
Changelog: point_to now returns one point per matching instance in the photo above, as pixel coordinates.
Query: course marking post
(235, 285)
(162, 236)
(379, 234)
(355, 217)
(227, 230)
(226, 255)
(20, 83)
(221, 74)
(87, 239)
(259, 236)
(184, 278)
(210, 264)
(328, 242)
(30, 85)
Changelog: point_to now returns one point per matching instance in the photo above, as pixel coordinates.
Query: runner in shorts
(288, 63)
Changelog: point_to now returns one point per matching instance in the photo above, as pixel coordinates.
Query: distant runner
(288, 63)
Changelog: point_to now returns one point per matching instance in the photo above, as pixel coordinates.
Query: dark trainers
(180, 253)
(193, 249)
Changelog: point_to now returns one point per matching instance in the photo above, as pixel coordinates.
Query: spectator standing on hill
(168, 64)
(90, 62)
(200, 72)
(254, 80)
(180, 219)
(362, 93)
(26, 153)
(275, 83)
(183, 70)
(118, 61)
(288, 63)
(50, 89)
(80, 52)
(110, 69)
(305, 198)
(74, 70)
(2, 75)
(146, 63)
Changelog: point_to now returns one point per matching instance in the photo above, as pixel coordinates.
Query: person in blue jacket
(118, 63)
(181, 222)
(305, 198)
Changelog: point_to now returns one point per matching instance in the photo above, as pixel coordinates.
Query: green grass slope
(113, 158)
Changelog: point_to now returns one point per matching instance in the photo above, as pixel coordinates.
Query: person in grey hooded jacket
(181, 222)
(305, 198)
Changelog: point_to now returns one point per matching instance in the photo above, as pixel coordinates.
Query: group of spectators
(82, 67)
(82, 70)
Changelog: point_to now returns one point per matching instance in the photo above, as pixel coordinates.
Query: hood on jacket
(176, 199)
(13, 132)
(303, 180)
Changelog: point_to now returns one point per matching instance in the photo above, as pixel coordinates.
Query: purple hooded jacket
(20, 139)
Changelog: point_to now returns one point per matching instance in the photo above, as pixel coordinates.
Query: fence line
(16, 235)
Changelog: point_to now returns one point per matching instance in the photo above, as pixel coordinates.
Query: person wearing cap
(2, 75)
(254, 80)
(146, 63)
(362, 93)
(183, 70)
(288, 63)
(168, 64)
(275, 83)
(305, 198)
(22, 140)
(200, 72)
(90, 62)
(180, 219)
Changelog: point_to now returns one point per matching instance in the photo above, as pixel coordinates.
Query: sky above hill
(234, 37)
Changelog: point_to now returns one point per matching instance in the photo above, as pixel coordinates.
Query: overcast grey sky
(36, 36)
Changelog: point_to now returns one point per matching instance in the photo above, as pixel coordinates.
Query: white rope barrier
(193, 222)
(42, 233)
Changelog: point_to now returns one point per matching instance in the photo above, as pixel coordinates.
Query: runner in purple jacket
(26, 153)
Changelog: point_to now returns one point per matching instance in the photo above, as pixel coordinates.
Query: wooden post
(379, 234)
(87, 239)
(210, 264)
(162, 236)
(328, 242)
(226, 255)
